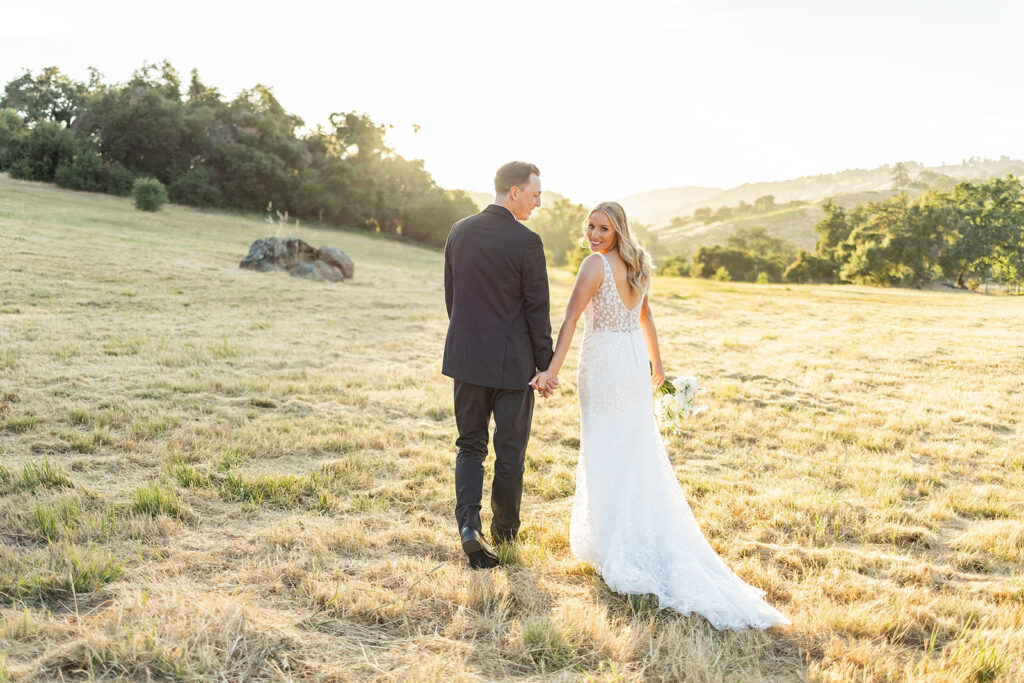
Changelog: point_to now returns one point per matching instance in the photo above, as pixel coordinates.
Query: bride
(630, 519)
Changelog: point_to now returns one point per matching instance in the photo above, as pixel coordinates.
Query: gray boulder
(308, 270)
(337, 258)
(299, 259)
(277, 253)
(328, 272)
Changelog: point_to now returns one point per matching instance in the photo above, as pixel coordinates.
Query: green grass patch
(34, 476)
(981, 509)
(79, 417)
(185, 474)
(49, 523)
(20, 425)
(232, 457)
(88, 442)
(20, 627)
(259, 402)
(508, 553)
(224, 348)
(124, 347)
(55, 520)
(155, 500)
(552, 486)
(351, 472)
(278, 490)
(364, 503)
(151, 427)
(60, 573)
(548, 645)
(639, 604)
(8, 358)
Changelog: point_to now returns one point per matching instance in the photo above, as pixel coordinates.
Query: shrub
(677, 266)
(12, 133)
(89, 173)
(195, 187)
(41, 151)
(809, 268)
(149, 194)
(709, 260)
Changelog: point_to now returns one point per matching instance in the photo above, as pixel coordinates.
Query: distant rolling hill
(482, 199)
(658, 208)
(652, 204)
(795, 224)
(668, 212)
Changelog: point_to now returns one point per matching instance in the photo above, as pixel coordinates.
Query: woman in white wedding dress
(630, 519)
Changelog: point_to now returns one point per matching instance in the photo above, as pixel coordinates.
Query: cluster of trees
(560, 225)
(243, 153)
(748, 255)
(925, 180)
(970, 232)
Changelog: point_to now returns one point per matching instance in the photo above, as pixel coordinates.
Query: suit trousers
(513, 415)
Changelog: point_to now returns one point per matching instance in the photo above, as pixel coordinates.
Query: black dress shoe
(481, 554)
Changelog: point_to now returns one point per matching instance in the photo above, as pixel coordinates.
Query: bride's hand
(658, 375)
(545, 382)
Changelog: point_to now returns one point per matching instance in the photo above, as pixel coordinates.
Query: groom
(499, 336)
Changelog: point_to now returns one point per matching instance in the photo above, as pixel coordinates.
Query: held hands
(545, 383)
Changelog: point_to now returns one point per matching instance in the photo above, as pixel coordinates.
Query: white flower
(672, 409)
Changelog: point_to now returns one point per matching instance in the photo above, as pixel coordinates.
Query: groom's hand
(545, 383)
(535, 384)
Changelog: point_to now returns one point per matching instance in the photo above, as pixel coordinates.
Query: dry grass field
(215, 474)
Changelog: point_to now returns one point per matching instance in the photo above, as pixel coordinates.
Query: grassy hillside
(215, 474)
(847, 188)
(795, 224)
(652, 204)
(661, 206)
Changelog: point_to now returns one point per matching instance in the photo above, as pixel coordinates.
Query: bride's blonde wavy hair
(638, 261)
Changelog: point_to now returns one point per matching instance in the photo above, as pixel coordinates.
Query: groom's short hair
(514, 173)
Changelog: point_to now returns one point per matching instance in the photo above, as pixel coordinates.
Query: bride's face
(600, 232)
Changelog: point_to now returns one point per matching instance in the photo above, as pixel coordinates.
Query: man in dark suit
(499, 337)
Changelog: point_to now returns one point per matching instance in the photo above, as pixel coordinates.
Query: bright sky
(608, 98)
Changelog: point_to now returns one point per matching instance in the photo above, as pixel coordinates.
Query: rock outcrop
(299, 259)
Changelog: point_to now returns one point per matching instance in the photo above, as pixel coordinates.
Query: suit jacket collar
(499, 210)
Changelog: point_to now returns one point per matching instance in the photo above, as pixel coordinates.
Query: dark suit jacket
(496, 290)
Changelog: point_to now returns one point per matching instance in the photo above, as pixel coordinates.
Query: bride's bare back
(630, 297)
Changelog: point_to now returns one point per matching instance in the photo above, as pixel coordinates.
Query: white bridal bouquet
(678, 401)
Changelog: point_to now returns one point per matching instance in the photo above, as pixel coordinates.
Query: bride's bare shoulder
(591, 269)
(592, 264)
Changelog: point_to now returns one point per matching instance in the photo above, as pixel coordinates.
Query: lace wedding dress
(630, 519)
